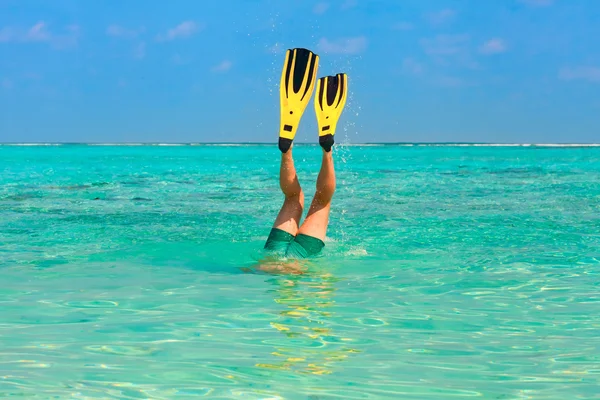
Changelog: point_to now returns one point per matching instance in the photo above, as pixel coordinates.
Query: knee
(295, 197)
(324, 194)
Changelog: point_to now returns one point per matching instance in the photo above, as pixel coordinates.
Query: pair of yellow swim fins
(297, 84)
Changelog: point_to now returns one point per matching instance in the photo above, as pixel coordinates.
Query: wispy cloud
(74, 28)
(349, 4)
(41, 34)
(354, 45)
(411, 66)
(449, 81)
(538, 3)
(183, 30)
(115, 30)
(450, 50)
(585, 73)
(223, 66)
(441, 17)
(119, 31)
(178, 59)
(320, 8)
(403, 26)
(37, 33)
(445, 44)
(431, 75)
(493, 46)
(139, 51)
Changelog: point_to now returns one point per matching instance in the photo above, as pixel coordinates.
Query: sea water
(449, 272)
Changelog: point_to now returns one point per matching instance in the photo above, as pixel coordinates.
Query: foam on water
(448, 272)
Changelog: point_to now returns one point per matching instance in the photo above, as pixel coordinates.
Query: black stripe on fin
(342, 88)
(311, 71)
(332, 89)
(321, 91)
(288, 71)
(300, 65)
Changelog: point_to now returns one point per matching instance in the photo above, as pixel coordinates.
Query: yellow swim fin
(297, 84)
(330, 100)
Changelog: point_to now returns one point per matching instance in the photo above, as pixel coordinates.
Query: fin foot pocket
(326, 142)
(285, 144)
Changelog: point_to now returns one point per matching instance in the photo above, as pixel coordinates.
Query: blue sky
(208, 71)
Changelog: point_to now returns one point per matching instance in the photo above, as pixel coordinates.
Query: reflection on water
(308, 305)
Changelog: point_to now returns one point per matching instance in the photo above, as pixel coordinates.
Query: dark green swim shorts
(300, 246)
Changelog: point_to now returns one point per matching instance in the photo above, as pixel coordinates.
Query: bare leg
(317, 219)
(291, 211)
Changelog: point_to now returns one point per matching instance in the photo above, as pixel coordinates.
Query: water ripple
(448, 273)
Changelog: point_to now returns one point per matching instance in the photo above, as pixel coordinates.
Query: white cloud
(139, 51)
(41, 34)
(183, 30)
(538, 3)
(119, 31)
(411, 66)
(115, 30)
(450, 51)
(349, 4)
(445, 44)
(448, 81)
(320, 8)
(493, 46)
(403, 26)
(431, 75)
(223, 66)
(441, 17)
(37, 33)
(354, 45)
(586, 73)
(417, 70)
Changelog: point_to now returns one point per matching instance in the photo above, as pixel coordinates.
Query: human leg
(289, 216)
(316, 221)
(329, 103)
(297, 82)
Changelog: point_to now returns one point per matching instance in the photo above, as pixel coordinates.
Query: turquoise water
(449, 273)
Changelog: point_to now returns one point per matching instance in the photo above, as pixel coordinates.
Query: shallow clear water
(449, 273)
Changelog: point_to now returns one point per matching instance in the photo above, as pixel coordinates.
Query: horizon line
(366, 144)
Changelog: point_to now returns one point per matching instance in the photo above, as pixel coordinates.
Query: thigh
(289, 216)
(315, 223)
